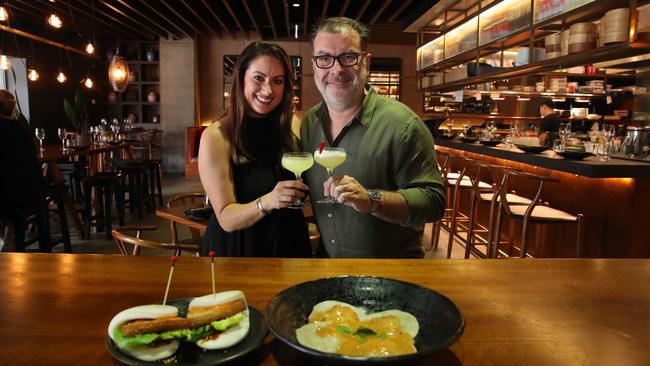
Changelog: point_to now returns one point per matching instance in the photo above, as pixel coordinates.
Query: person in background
(389, 184)
(240, 163)
(23, 187)
(550, 123)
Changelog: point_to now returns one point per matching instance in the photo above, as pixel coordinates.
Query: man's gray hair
(344, 26)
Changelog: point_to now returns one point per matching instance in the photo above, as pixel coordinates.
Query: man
(389, 184)
(550, 123)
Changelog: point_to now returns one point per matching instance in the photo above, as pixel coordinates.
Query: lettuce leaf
(191, 335)
(223, 324)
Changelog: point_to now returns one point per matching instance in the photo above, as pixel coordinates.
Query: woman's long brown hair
(238, 108)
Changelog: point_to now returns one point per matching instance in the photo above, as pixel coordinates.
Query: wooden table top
(56, 152)
(56, 307)
(177, 214)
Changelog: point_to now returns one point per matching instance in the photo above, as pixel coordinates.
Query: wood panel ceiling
(175, 19)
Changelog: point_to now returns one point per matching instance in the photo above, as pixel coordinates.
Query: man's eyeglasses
(347, 59)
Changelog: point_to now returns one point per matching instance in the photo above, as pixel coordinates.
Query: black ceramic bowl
(441, 322)
(533, 149)
(468, 139)
(574, 155)
(490, 142)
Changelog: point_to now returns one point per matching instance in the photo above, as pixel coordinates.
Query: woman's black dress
(282, 233)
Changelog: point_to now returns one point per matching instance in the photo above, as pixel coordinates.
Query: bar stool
(481, 196)
(533, 213)
(105, 185)
(444, 159)
(135, 177)
(468, 180)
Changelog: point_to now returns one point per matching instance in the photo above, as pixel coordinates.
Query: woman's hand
(284, 194)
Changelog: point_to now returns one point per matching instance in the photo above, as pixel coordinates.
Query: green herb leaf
(361, 339)
(381, 336)
(364, 332)
(343, 329)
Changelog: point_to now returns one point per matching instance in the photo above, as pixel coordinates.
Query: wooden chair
(181, 200)
(124, 240)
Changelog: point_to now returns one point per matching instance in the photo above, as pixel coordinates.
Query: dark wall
(46, 95)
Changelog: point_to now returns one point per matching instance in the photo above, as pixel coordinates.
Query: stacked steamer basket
(553, 45)
(564, 36)
(614, 26)
(582, 37)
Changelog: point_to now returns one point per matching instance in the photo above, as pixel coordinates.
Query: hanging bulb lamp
(88, 82)
(4, 62)
(61, 77)
(90, 49)
(118, 73)
(4, 16)
(54, 21)
(33, 75)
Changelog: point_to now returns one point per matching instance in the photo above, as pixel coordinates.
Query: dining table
(56, 307)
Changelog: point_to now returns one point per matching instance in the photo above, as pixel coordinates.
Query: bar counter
(590, 167)
(56, 307)
(614, 198)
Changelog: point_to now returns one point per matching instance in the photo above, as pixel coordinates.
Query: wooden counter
(590, 167)
(614, 198)
(56, 307)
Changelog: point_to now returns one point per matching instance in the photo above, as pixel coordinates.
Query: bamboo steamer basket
(582, 37)
(614, 26)
(553, 45)
(565, 42)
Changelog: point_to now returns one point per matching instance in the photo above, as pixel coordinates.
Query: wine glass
(609, 131)
(450, 124)
(330, 158)
(489, 129)
(297, 163)
(63, 134)
(514, 133)
(466, 128)
(40, 135)
(565, 130)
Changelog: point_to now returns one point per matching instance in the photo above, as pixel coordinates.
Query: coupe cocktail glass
(330, 158)
(297, 163)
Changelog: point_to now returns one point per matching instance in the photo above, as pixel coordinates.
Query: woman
(240, 163)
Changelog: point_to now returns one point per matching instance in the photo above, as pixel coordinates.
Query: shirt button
(329, 215)
(333, 241)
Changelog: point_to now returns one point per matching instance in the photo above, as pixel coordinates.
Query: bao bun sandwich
(153, 332)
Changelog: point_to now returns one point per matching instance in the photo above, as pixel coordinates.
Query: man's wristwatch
(375, 199)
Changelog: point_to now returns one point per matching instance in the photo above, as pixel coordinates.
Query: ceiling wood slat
(150, 20)
(362, 10)
(62, 13)
(305, 19)
(400, 10)
(250, 15)
(270, 16)
(286, 16)
(181, 17)
(206, 25)
(234, 16)
(323, 12)
(344, 8)
(126, 16)
(161, 15)
(379, 12)
(122, 26)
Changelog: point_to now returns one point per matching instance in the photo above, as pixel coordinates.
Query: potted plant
(77, 114)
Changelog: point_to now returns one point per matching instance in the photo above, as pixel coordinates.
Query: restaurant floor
(176, 184)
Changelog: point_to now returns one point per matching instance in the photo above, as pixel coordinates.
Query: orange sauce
(377, 337)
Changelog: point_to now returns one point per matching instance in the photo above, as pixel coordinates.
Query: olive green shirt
(388, 148)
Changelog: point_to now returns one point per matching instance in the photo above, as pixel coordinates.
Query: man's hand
(348, 191)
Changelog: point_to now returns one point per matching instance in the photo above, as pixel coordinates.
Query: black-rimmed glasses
(347, 59)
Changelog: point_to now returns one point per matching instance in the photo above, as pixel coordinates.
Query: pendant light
(61, 78)
(33, 75)
(88, 82)
(118, 72)
(90, 48)
(4, 16)
(54, 21)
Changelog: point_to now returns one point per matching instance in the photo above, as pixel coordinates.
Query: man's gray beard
(345, 103)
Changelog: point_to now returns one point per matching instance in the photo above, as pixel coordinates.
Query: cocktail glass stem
(328, 199)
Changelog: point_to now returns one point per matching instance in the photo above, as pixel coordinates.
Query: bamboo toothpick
(211, 254)
(169, 280)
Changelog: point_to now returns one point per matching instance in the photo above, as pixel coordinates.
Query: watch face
(374, 195)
